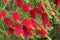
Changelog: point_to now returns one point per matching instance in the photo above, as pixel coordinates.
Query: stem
(42, 2)
(2, 23)
(1, 36)
(2, 30)
(3, 27)
(48, 38)
(48, 4)
(13, 4)
(47, 1)
(4, 6)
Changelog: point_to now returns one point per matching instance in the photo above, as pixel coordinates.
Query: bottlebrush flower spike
(26, 7)
(27, 23)
(28, 32)
(40, 10)
(42, 32)
(18, 30)
(19, 3)
(16, 16)
(10, 31)
(2, 13)
(8, 22)
(36, 10)
(35, 24)
(33, 13)
(57, 2)
(45, 20)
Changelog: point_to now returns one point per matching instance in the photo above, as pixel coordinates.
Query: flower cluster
(29, 24)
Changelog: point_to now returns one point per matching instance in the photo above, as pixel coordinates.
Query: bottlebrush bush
(28, 19)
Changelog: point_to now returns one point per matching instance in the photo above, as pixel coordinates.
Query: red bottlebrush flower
(26, 7)
(28, 32)
(33, 13)
(57, 2)
(10, 31)
(2, 14)
(19, 3)
(5, 1)
(16, 16)
(45, 20)
(42, 32)
(36, 10)
(8, 22)
(40, 10)
(27, 23)
(18, 30)
(35, 24)
(15, 38)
